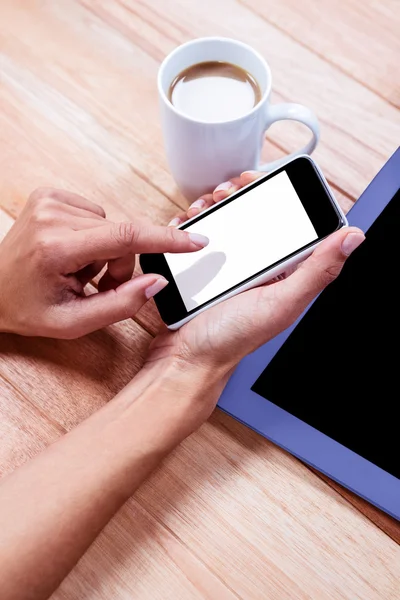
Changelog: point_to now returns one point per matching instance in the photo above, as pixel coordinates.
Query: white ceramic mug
(200, 154)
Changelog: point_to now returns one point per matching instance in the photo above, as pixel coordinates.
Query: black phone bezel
(316, 200)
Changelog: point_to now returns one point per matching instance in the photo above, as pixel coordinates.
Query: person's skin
(57, 245)
(53, 507)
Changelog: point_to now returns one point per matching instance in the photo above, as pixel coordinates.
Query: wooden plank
(381, 519)
(137, 557)
(56, 149)
(79, 375)
(43, 157)
(303, 541)
(137, 552)
(90, 93)
(73, 391)
(59, 151)
(88, 117)
(298, 532)
(387, 525)
(68, 380)
(361, 38)
(65, 420)
(390, 526)
(23, 430)
(38, 153)
(359, 129)
(354, 120)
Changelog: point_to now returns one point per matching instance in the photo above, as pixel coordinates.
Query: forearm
(52, 508)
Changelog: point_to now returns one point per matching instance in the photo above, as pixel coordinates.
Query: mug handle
(292, 112)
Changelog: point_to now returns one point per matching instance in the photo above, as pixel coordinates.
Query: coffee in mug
(214, 91)
(215, 109)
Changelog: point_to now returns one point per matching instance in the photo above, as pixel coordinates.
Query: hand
(219, 338)
(221, 192)
(57, 245)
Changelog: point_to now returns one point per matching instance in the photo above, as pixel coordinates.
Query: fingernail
(250, 173)
(200, 203)
(155, 287)
(175, 222)
(351, 242)
(223, 187)
(199, 240)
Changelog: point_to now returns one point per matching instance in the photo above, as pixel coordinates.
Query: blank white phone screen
(247, 235)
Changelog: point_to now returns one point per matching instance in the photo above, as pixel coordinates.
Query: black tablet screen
(339, 370)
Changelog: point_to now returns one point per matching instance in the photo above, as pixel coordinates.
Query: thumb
(318, 271)
(105, 308)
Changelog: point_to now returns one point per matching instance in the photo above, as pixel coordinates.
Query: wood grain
(49, 158)
(78, 394)
(390, 526)
(359, 129)
(302, 528)
(228, 515)
(361, 38)
(133, 543)
(79, 375)
(138, 557)
(381, 519)
(74, 133)
(24, 431)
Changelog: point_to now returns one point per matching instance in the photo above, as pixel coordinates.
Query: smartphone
(255, 235)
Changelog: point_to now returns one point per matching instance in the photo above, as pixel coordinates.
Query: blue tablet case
(310, 445)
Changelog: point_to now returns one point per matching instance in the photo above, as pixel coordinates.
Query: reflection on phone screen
(247, 235)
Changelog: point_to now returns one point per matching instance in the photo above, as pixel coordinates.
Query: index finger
(115, 240)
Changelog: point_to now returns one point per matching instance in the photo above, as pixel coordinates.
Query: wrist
(121, 444)
(172, 399)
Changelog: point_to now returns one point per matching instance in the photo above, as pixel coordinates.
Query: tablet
(327, 389)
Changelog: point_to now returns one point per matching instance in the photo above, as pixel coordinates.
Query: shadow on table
(95, 354)
(68, 380)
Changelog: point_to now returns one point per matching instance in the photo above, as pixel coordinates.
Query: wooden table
(228, 515)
